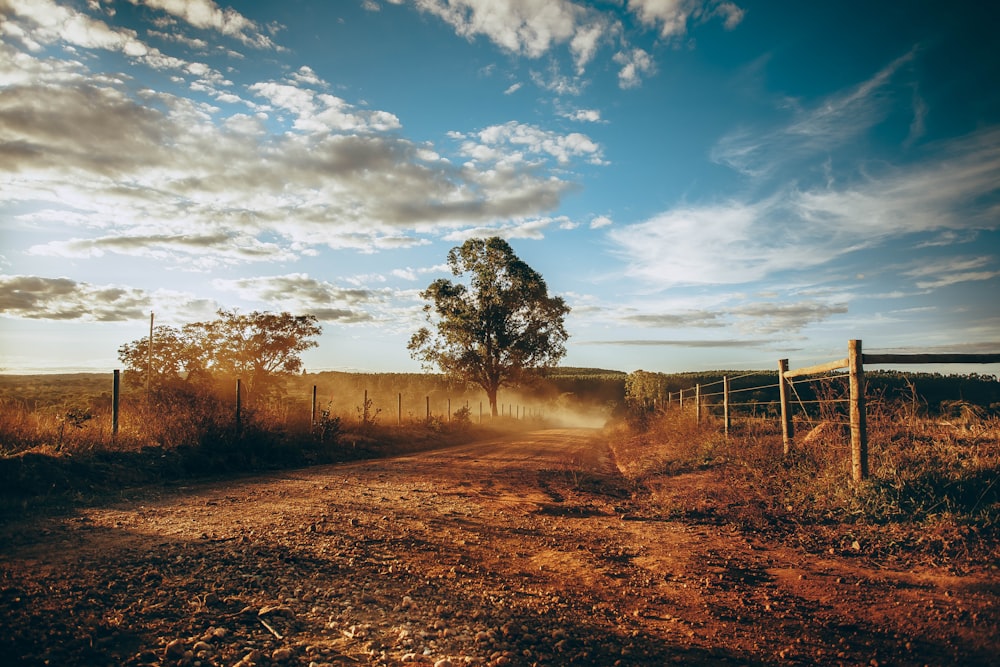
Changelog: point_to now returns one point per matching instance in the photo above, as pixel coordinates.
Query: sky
(708, 184)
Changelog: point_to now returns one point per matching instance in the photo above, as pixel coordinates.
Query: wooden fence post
(725, 404)
(859, 428)
(787, 432)
(116, 392)
(449, 410)
(312, 414)
(428, 408)
(239, 406)
(697, 402)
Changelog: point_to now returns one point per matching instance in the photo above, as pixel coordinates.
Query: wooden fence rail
(855, 362)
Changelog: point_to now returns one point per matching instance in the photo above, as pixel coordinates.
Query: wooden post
(480, 412)
(312, 415)
(787, 432)
(239, 406)
(116, 392)
(449, 410)
(725, 404)
(859, 427)
(149, 357)
(697, 402)
(428, 408)
(680, 398)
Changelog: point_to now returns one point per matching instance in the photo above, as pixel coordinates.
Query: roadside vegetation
(933, 495)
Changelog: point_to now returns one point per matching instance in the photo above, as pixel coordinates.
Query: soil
(529, 549)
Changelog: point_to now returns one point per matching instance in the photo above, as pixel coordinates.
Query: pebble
(175, 649)
(283, 654)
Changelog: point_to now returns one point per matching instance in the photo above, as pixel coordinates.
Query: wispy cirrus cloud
(783, 224)
(812, 131)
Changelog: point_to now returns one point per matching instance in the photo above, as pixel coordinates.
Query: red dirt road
(530, 549)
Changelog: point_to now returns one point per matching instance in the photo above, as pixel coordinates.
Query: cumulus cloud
(298, 292)
(129, 163)
(636, 64)
(515, 142)
(583, 115)
(525, 27)
(37, 23)
(34, 297)
(671, 17)
(534, 28)
(207, 15)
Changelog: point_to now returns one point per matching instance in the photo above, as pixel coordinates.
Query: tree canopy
(257, 347)
(496, 326)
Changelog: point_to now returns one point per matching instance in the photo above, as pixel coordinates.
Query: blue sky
(708, 184)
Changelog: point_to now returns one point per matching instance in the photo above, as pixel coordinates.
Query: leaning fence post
(859, 427)
(725, 404)
(787, 431)
(114, 403)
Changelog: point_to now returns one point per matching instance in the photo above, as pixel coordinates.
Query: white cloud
(952, 271)
(600, 221)
(825, 126)
(207, 15)
(512, 142)
(526, 27)
(672, 16)
(636, 64)
(583, 115)
(300, 293)
(33, 297)
(744, 241)
(134, 165)
(513, 88)
(39, 22)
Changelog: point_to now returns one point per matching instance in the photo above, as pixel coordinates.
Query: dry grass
(933, 493)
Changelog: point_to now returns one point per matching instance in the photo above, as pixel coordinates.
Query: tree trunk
(491, 393)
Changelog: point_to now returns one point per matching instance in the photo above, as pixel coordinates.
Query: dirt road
(526, 550)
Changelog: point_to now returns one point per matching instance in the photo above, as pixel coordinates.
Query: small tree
(257, 347)
(495, 328)
(176, 360)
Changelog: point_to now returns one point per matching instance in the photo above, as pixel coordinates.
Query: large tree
(257, 347)
(496, 326)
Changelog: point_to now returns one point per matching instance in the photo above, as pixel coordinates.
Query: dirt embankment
(527, 550)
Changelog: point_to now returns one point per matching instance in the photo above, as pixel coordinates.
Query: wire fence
(818, 395)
